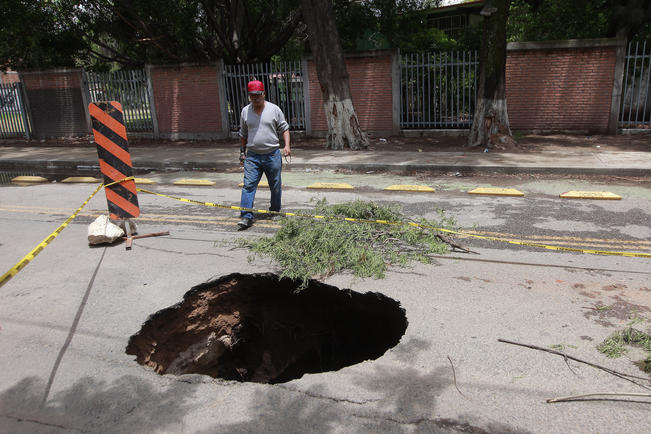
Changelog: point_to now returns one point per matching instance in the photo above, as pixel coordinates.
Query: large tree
(32, 35)
(248, 30)
(344, 130)
(134, 32)
(491, 119)
(628, 17)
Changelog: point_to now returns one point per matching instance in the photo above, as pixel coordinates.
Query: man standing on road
(261, 125)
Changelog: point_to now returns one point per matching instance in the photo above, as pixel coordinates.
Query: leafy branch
(305, 248)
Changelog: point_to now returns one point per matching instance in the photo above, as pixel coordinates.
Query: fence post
(24, 109)
(616, 102)
(306, 97)
(85, 99)
(152, 101)
(395, 91)
(223, 100)
(27, 110)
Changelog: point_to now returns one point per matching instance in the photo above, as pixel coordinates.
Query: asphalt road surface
(65, 319)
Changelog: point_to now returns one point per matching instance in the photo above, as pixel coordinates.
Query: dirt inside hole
(255, 327)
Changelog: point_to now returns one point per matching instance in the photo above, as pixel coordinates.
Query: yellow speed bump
(330, 186)
(82, 179)
(194, 182)
(28, 179)
(602, 195)
(493, 191)
(144, 181)
(407, 187)
(262, 184)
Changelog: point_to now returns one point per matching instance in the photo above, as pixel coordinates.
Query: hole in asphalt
(255, 327)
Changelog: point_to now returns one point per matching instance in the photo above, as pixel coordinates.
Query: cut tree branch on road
(624, 376)
(344, 130)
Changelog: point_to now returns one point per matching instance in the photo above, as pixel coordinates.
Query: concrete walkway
(571, 160)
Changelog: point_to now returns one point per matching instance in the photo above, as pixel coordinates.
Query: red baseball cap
(255, 87)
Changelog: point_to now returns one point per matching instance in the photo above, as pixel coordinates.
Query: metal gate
(437, 90)
(130, 89)
(635, 110)
(13, 114)
(283, 83)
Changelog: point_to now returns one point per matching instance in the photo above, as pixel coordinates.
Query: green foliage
(376, 24)
(615, 345)
(306, 247)
(558, 19)
(99, 34)
(37, 34)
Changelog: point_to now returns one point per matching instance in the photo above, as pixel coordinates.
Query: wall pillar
(616, 103)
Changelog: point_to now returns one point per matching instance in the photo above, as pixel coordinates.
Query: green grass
(616, 344)
(305, 248)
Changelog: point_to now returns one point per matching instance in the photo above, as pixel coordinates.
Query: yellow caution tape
(31, 255)
(128, 178)
(420, 225)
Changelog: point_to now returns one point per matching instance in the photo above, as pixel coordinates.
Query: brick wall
(187, 101)
(9, 77)
(56, 103)
(560, 88)
(370, 80)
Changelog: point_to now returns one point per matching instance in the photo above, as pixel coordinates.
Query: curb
(85, 167)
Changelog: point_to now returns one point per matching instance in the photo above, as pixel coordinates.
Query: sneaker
(245, 223)
(269, 216)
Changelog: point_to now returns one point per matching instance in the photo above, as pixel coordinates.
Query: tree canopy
(97, 33)
(537, 20)
(33, 35)
(117, 33)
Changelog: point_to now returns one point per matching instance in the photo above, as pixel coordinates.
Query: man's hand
(286, 151)
(242, 156)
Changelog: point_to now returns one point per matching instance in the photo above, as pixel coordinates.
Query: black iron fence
(14, 121)
(130, 88)
(437, 90)
(635, 110)
(284, 84)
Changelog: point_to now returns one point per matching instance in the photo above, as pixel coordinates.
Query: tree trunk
(343, 127)
(490, 124)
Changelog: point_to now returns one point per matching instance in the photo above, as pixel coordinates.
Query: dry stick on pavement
(621, 375)
(454, 375)
(587, 395)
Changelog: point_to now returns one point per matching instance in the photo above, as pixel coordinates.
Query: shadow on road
(127, 404)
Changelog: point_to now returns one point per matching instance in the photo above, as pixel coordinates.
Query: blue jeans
(254, 166)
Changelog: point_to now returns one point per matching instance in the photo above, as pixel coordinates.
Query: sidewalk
(569, 160)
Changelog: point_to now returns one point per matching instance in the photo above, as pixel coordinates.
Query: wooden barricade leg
(115, 163)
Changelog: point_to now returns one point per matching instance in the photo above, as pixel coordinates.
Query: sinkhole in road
(256, 327)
